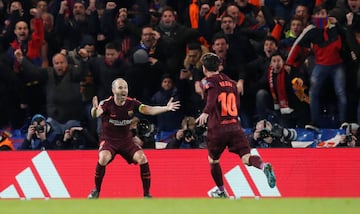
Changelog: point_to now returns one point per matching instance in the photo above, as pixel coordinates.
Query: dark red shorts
(235, 141)
(125, 148)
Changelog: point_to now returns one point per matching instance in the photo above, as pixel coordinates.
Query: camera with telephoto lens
(197, 131)
(39, 128)
(279, 133)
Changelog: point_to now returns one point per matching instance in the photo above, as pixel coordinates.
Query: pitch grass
(182, 206)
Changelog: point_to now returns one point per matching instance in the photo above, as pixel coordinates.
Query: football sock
(256, 161)
(99, 175)
(216, 173)
(145, 177)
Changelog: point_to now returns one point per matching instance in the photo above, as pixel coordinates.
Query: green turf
(182, 206)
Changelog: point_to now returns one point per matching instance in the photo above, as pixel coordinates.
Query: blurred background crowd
(295, 62)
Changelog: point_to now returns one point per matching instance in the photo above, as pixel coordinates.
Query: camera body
(279, 133)
(264, 133)
(39, 128)
(143, 128)
(188, 133)
(76, 134)
(197, 131)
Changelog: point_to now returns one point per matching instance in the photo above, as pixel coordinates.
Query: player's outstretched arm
(154, 110)
(96, 110)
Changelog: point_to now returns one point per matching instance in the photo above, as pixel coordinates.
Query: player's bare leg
(140, 158)
(104, 158)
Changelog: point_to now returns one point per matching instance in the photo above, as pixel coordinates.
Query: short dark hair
(113, 46)
(278, 53)
(211, 62)
(319, 8)
(194, 46)
(168, 8)
(220, 35)
(272, 39)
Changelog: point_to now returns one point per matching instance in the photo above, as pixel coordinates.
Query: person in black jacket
(40, 135)
(62, 84)
(173, 39)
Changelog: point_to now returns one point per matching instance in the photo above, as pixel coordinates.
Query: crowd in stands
(296, 63)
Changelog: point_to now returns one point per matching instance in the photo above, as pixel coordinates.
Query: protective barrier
(308, 172)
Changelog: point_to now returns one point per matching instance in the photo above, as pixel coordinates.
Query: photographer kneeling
(267, 135)
(189, 136)
(351, 138)
(40, 135)
(143, 132)
(78, 137)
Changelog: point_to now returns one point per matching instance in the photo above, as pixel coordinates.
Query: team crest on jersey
(205, 84)
(131, 113)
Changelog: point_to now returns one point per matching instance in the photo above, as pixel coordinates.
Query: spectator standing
(169, 122)
(148, 62)
(173, 39)
(325, 40)
(347, 14)
(107, 68)
(302, 11)
(15, 11)
(285, 9)
(87, 86)
(230, 66)
(242, 50)
(62, 83)
(71, 27)
(289, 37)
(189, 80)
(53, 42)
(117, 28)
(31, 92)
(12, 116)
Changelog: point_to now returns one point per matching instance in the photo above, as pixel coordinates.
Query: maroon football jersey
(222, 103)
(116, 119)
